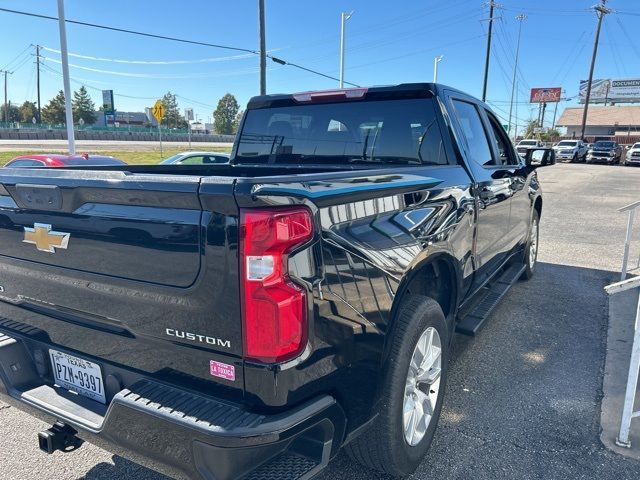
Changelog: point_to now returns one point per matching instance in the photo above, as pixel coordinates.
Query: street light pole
(436, 61)
(520, 18)
(65, 76)
(263, 51)
(343, 18)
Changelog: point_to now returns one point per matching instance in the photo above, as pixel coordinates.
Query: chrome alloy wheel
(533, 244)
(422, 386)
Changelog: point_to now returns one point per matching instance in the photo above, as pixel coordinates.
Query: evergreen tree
(224, 117)
(14, 113)
(172, 117)
(53, 112)
(28, 111)
(83, 107)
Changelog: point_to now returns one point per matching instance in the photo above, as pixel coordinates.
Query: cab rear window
(399, 131)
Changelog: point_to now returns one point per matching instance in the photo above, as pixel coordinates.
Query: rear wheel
(531, 249)
(410, 400)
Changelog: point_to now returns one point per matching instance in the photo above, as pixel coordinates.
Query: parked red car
(59, 160)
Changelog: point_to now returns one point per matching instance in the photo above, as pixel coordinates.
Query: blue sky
(384, 46)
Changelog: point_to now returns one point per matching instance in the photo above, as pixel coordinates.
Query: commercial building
(619, 123)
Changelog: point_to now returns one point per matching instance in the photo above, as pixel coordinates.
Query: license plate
(78, 375)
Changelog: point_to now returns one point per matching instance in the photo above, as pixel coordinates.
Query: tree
(28, 111)
(83, 107)
(53, 112)
(14, 114)
(237, 120)
(529, 131)
(224, 117)
(172, 117)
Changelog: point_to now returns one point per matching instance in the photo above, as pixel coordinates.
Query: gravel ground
(523, 399)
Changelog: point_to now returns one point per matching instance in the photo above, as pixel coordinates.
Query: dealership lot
(523, 397)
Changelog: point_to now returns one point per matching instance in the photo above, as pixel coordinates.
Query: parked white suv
(633, 155)
(572, 150)
(525, 145)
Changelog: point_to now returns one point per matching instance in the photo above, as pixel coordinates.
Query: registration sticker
(222, 370)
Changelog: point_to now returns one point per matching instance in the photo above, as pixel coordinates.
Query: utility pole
(263, 51)
(515, 130)
(492, 5)
(38, 81)
(6, 104)
(544, 109)
(601, 11)
(520, 18)
(436, 61)
(555, 112)
(343, 18)
(65, 75)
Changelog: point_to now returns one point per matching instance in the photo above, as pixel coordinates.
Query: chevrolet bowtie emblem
(45, 239)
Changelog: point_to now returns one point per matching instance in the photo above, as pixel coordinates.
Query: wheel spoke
(418, 422)
(429, 376)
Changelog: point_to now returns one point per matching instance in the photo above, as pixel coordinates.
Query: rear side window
(478, 144)
(395, 131)
(502, 143)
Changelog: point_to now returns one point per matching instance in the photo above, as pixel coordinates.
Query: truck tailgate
(111, 265)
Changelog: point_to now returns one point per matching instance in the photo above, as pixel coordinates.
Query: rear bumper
(180, 433)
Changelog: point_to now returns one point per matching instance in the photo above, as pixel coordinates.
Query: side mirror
(540, 157)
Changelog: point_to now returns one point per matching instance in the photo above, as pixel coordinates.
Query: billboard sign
(188, 114)
(107, 102)
(545, 95)
(608, 90)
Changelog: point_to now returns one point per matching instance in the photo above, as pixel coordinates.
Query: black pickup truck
(248, 320)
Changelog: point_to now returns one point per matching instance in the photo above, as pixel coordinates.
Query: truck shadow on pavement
(122, 469)
(523, 396)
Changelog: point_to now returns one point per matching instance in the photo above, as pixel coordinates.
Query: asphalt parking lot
(523, 399)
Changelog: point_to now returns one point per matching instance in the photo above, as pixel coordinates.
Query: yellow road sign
(158, 110)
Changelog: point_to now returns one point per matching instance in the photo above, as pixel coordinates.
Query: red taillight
(274, 308)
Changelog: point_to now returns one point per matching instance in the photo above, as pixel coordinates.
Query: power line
(626, 34)
(280, 61)
(156, 75)
(8, 65)
(152, 62)
(569, 55)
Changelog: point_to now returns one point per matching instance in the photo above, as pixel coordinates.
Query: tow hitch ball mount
(59, 437)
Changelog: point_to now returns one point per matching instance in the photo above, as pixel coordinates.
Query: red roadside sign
(545, 95)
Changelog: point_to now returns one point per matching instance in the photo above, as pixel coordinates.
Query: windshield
(394, 131)
(567, 144)
(600, 144)
(636, 145)
(528, 142)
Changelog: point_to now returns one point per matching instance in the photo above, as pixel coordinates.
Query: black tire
(383, 446)
(530, 267)
(575, 158)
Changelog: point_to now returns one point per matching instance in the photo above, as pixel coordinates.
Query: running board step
(473, 321)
